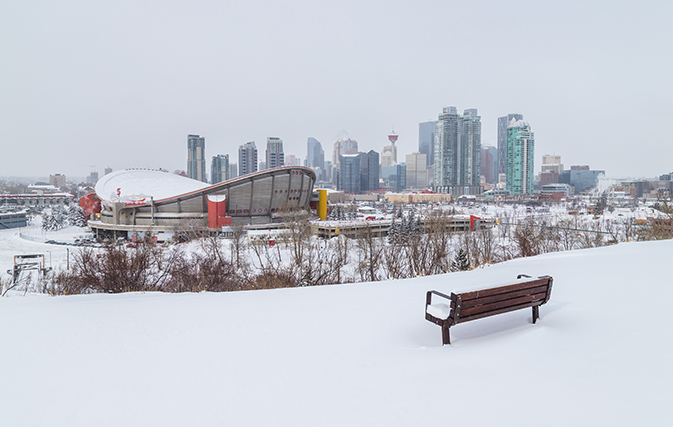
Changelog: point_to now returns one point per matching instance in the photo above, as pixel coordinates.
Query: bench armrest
(428, 297)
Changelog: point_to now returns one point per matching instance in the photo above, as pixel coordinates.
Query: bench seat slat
(496, 312)
(503, 297)
(487, 308)
(503, 289)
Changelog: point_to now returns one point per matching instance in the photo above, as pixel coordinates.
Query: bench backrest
(489, 302)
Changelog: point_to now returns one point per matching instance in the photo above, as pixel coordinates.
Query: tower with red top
(389, 154)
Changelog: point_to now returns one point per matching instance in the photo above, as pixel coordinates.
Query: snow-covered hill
(352, 355)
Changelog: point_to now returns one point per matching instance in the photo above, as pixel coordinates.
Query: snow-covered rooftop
(146, 182)
(518, 124)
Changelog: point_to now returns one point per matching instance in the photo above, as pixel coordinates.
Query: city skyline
(88, 84)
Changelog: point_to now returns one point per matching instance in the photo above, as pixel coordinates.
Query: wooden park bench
(487, 302)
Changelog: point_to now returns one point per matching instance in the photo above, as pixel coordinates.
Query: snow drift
(359, 354)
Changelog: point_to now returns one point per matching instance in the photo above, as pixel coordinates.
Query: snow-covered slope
(351, 355)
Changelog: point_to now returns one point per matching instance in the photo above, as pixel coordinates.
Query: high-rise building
(389, 153)
(426, 140)
(275, 157)
(315, 155)
(233, 170)
(93, 177)
(582, 178)
(551, 169)
(489, 164)
(326, 175)
(108, 170)
(196, 157)
(520, 157)
(395, 176)
(417, 170)
(57, 180)
(503, 123)
(292, 160)
(551, 159)
(219, 168)
(341, 146)
(349, 173)
(247, 158)
(369, 171)
(458, 152)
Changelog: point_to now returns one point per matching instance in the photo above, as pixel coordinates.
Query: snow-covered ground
(351, 355)
(12, 243)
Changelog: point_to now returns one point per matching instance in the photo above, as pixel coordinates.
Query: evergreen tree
(413, 223)
(394, 232)
(47, 220)
(460, 262)
(52, 219)
(75, 216)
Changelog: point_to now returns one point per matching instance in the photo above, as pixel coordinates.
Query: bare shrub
(527, 238)
(271, 280)
(199, 273)
(592, 236)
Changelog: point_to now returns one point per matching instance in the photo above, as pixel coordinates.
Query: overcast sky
(122, 83)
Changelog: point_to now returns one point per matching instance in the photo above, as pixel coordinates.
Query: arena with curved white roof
(136, 200)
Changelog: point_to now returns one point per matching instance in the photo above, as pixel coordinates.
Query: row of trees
(57, 217)
(411, 248)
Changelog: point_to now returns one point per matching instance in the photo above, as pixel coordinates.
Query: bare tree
(369, 254)
(526, 238)
(439, 234)
(238, 248)
(190, 228)
(340, 258)
(567, 232)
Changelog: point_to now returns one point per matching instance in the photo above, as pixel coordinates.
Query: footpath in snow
(352, 355)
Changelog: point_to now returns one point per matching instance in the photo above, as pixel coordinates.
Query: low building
(35, 200)
(555, 192)
(12, 220)
(418, 197)
(580, 177)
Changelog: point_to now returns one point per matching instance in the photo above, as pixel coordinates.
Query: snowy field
(12, 243)
(350, 355)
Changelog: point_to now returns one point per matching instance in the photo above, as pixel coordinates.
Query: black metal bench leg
(446, 339)
(536, 313)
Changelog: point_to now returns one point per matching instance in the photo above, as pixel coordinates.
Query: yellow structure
(322, 204)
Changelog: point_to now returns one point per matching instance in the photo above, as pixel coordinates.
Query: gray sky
(122, 83)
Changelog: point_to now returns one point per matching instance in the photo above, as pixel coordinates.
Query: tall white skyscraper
(275, 157)
(417, 170)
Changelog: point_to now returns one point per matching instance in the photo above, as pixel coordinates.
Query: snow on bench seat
(440, 311)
